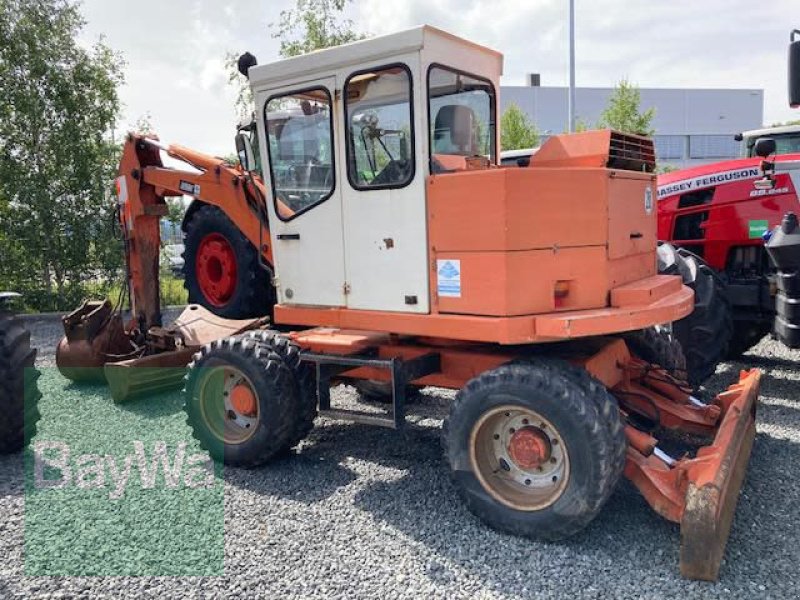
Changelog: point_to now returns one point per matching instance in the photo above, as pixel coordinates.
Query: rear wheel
(19, 392)
(705, 334)
(535, 448)
(657, 347)
(241, 401)
(221, 268)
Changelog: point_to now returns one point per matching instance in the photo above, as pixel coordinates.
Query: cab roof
(772, 131)
(360, 52)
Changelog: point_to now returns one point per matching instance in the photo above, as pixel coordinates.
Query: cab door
(383, 188)
(304, 194)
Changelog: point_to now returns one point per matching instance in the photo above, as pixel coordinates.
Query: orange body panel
(526, 329)
(521, 234)
(596, 148)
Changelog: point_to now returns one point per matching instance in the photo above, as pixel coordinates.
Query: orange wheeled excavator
(400, 251)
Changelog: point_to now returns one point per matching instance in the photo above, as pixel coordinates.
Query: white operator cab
(345, 135)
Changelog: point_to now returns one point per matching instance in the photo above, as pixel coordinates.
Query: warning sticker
(758, 228)
(448, 278)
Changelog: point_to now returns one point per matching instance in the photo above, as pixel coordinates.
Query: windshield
(785, 143)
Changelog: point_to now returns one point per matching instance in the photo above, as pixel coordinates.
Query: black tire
(584, 415)
(274, 388)
(304, 376)
(705, 334)
(655, 346)
(253, 294)
(745, 336)
(19, 391)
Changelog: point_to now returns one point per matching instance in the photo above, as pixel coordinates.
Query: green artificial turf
(91, 526)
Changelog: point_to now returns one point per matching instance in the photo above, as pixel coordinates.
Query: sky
(174, 50)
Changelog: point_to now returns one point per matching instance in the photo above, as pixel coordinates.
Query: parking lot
(361, 512)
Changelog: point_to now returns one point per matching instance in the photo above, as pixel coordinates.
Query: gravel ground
(363, 512)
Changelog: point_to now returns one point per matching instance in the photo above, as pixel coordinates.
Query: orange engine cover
(538, 240)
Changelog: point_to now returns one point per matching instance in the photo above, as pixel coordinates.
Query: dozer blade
(716, 480)
(699, 492)
(164, 371)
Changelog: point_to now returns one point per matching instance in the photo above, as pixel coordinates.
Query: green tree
(57, 157)
(310, 25)
(313, 25)
(516, 130)
(623, 113)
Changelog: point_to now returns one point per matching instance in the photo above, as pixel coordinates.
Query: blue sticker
(448, 278)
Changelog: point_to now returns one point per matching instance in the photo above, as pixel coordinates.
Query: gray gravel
(363, 512)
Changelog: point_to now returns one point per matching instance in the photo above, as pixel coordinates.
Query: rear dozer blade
(698, 492)
(715, 483)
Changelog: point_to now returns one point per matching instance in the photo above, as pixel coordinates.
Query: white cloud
(175, 49)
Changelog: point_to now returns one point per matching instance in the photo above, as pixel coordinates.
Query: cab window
(787, 143)
(380, 141)
(300, 138)
(462, 124)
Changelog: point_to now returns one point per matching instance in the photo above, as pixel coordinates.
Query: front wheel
(535, 449)
(241, 401)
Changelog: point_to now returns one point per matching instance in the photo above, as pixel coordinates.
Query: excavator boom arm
(143, 185)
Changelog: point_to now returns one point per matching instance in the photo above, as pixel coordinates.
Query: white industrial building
(692, 126)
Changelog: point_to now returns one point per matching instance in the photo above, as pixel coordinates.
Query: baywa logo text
(57, 467)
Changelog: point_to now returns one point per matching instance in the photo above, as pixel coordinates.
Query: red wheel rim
(215, 267)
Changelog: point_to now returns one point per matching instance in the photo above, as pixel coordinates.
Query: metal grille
(631, 152)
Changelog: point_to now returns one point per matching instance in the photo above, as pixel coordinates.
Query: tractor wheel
(535, 448)
(304, 376)
(19, 392)
(706, 333)
(659, 348)
(746, 336)
(221, 269)
(241, 401)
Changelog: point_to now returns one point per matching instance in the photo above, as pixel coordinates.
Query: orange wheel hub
(529, 447)
(243, 400)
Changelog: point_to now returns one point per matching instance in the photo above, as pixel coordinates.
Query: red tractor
(717, 213)
(725, 212)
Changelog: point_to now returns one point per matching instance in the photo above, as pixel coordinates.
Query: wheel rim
(216, 269)
(519, 457)
(228, 404)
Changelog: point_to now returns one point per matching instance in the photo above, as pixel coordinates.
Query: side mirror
(765, 147)
(244, 149)
(794, 69)
(738, 137)
(244, 63)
